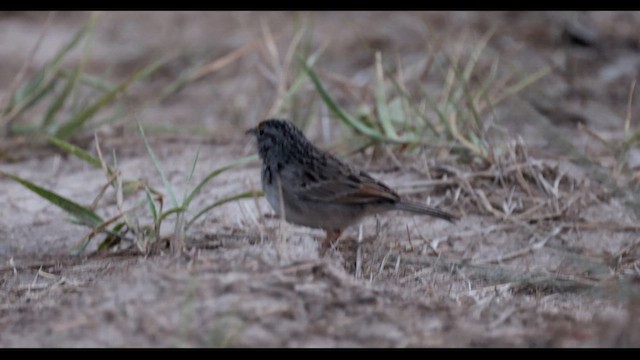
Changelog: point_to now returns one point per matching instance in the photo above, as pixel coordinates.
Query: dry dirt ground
(546, 253)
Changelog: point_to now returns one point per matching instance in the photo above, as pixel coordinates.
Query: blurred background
(217, 70)
(525, 123)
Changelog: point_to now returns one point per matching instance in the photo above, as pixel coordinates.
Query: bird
(313, 188)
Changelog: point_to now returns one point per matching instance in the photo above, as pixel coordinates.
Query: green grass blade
(156, 163)
(397, 110)
(409, 101)
(152, 205)
(447, 94)
(442, 116)
(75, 123)
(182, 129)
(182, 81)
(118, 113)
(93, 81)
(118, 187)
(244, 195)
(43, 82)
(34, 98)
(215, 173)
(74, 150)
(83, 214)
(132, 186)
(477, 51)
(300, 78)
(175, 210)
(59, 101)
(39, 79)
(96, 230)
(381, 102)
(462, 90)
(80, 248)
(626, 145)
(193, 168)
(525, 82)
(113, 238)
(29, 87)
(338, 111)
(74, 41)
(487, 83)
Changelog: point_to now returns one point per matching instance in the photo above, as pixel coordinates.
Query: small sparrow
(315, 189)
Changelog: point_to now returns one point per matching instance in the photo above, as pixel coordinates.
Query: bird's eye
(261, 127)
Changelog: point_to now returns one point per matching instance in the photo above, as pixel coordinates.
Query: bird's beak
(251, 131)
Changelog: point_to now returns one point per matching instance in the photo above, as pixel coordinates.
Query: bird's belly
(313, 214)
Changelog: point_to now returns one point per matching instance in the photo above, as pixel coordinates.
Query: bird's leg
(332, 237)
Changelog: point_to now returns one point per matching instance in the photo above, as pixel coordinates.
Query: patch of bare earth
(545, 255)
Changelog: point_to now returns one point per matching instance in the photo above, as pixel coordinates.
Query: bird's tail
(425, 210)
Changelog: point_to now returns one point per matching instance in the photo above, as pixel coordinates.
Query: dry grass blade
(294, 89)
(627, 120)
(211, 67)
(231, 57)
(587, 130)
(487, 205)
(631, 139)
(597, 225)
(281, 89)
(556, 282)
(82, 245)
(453, 127)
(515, 254)
(103, 189)
(358, 273)
(521, 85)
(76, 122)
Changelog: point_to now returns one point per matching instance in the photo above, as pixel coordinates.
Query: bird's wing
(342, 184)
